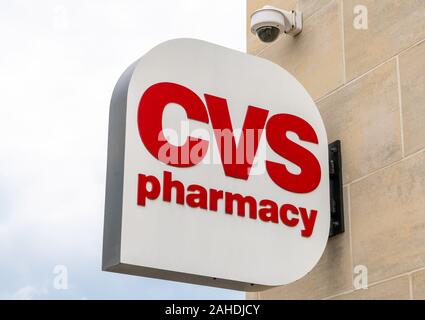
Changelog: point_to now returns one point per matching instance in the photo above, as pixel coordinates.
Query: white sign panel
(217, 170)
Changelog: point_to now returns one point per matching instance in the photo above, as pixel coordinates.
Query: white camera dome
(269, 22)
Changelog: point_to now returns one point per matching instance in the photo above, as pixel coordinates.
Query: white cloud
(28, 293)
(60, 61)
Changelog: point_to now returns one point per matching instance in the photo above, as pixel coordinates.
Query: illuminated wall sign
(217, 170)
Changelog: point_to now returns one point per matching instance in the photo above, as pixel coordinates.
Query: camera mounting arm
(293, 22)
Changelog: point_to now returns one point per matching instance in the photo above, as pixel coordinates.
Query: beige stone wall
(370, 88)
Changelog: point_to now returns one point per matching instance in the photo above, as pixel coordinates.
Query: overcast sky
(59, 61)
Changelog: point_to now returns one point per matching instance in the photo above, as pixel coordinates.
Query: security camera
(269, 22)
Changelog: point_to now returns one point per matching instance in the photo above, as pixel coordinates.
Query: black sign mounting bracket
(336, 189)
